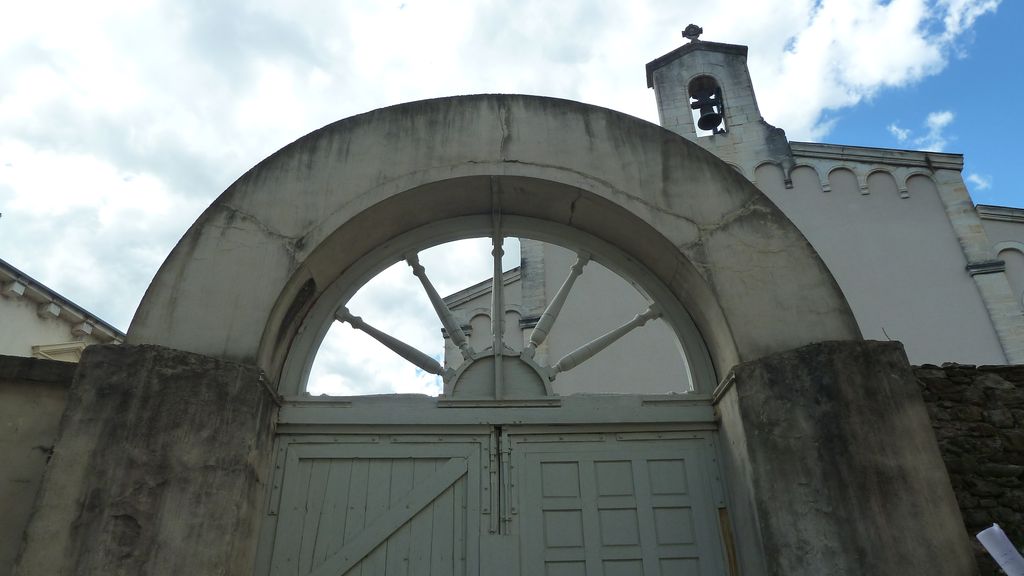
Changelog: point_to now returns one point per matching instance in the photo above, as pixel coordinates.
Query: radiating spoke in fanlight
(451, 325)
(587, 351)
(500, 326)
(497, 304)
(420, 359)
(547, 319)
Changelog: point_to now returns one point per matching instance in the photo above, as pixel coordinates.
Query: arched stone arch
(805, 177)
(1012, 254)
(769, 176)
(240, 282)
(881, 181)
(843, 179)
(919, 181)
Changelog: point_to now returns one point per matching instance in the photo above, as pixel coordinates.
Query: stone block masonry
(978, 417)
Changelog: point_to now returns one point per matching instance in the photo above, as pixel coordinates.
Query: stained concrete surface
(32, 396)
(834, 469)
(159, 468)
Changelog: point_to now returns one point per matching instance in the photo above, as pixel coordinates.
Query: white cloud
(121, 120)
(844, 51)
(959, 15)
(979, 182)
(901, 134)
(935, 138)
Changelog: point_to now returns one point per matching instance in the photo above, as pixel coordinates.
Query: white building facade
(40, 323)
(916, 260)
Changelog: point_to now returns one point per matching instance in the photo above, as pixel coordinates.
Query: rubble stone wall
(978, 416)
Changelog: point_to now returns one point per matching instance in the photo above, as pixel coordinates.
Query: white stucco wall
(896, 258)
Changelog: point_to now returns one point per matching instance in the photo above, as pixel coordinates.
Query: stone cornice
(868, 155)
(1004, 213)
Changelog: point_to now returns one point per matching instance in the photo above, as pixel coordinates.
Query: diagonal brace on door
(401, 512)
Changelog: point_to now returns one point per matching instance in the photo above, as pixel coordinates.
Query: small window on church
(706, 106)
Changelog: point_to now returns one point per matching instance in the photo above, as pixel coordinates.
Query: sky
(120, 121)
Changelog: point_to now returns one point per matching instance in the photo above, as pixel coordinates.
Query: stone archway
(291, 225)
(164, 457)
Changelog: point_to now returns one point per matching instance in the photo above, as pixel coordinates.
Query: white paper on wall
(1002, 550)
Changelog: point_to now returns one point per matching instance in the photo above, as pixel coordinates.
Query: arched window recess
(499, 352)
(513, 354)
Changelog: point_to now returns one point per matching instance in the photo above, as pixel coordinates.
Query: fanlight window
(566, 324)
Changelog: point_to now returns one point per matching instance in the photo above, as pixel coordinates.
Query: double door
(495, 500)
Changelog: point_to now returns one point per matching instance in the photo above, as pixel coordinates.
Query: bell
(708, 100)
(709, 118)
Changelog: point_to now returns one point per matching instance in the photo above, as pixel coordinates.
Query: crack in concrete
(704, 231)
(572, 207)
(293, 243)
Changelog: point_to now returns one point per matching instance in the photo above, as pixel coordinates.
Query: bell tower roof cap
(686, 49)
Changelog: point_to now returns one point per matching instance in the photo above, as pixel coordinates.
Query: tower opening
(706, 106)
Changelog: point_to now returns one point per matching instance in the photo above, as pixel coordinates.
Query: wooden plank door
(617, 504)
(372, 505)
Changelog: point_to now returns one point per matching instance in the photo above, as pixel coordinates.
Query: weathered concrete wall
(833, 467)
(32, 396)
(751, 281)
(159, 468)
(978, 416)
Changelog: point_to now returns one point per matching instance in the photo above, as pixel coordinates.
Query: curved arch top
(240, 281)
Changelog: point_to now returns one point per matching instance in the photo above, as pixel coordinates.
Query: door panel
(598, 501)
(362, 508)
(611, 505)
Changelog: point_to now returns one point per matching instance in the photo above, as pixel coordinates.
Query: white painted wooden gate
(352, 505)
(499, 475)
(469, 498)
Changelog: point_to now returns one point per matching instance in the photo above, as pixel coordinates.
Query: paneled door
(614, 504)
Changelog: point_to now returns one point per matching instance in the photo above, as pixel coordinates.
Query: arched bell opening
(706, 104)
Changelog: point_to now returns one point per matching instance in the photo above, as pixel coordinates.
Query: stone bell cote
(704, 94)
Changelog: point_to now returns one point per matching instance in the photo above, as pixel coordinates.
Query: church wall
(890, 245)
(32, 397)
(1007, 236)
(978, 417)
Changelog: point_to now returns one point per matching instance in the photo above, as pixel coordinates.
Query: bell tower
(704, 94)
